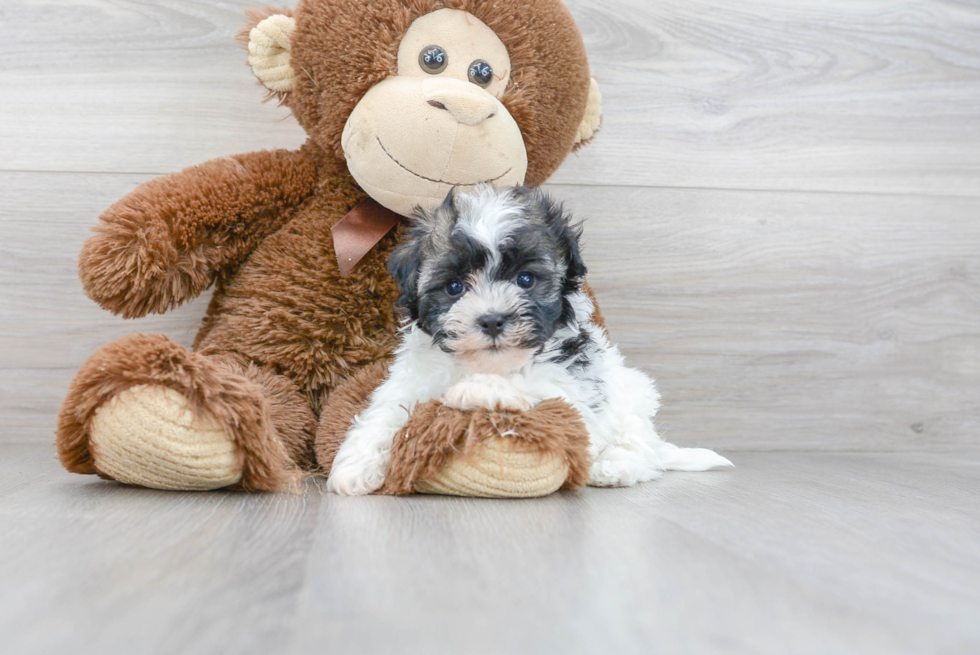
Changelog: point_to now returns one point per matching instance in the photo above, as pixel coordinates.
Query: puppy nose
(492, 324)
(469, 106)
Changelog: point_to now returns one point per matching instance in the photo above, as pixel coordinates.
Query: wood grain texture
(47, 324)
(108, 571)
(795, 320)
(789, 552)
(778, 94)
(771, 320)
(785, 94)
(124, 86)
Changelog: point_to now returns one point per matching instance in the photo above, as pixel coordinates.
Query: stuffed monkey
(401, 100)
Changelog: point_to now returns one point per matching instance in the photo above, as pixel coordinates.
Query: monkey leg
(146, 411)
(497, 454)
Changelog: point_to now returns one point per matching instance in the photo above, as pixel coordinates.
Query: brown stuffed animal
(402, 100)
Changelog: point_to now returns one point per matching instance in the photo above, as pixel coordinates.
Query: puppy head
(488, 275)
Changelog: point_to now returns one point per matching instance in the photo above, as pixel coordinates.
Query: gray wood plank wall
(783, 207)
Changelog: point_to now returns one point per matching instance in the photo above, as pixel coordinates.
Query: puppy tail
(674, 458)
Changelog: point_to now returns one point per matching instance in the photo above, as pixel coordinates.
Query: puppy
(492, 285)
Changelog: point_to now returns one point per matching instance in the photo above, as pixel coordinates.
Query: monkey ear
(268, 52)
(593, 115)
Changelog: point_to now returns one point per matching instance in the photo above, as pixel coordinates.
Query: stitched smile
(429, 179)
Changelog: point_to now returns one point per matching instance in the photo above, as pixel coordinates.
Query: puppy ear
(449, 202)
(406, 260)
(437, 225)
(568, 236)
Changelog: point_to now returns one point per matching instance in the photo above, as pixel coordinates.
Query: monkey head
(419, 96)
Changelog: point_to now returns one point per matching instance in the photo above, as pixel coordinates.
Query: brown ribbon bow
(359, 231)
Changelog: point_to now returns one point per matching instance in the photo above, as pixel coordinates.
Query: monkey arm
(442, 450)
(170, 238)
(439, 441)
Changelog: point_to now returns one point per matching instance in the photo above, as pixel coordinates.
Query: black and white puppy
(491, 283)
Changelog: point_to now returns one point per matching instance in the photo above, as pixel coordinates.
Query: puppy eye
(480, 73)
(433, 59)
(455, 288)
(525, 280)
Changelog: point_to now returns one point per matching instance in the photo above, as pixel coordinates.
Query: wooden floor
(820, 553)
(782, 226)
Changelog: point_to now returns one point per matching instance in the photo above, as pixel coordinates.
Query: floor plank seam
(662, 187)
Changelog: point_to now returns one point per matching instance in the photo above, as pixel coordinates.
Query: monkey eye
(455, 288)
(480, 73)
(525, 280)
(433, 59)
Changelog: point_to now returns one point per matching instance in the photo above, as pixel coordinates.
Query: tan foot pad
(503, 468)
(148, 436)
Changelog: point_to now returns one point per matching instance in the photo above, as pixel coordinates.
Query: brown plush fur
(340, 408)
(287, 306)
(597, 316)
(290, 413)
(284, 330)
(172, 237)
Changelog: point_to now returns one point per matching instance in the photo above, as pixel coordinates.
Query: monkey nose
(492, 324)
(469, 107)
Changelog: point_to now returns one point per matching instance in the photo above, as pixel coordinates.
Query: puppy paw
(619, 467)
(489, 391)
(357, 473)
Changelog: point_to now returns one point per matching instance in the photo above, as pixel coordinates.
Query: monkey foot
(494, 454)
(145, 410)
(502, 467)
(148, 435)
